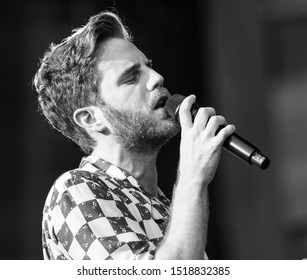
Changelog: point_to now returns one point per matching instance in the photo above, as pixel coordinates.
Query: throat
(145, 172)
(149, 182)
(141, 166)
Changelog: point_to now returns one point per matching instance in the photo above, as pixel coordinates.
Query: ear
(90, 118)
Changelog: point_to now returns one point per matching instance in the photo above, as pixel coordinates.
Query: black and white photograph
(154, 130)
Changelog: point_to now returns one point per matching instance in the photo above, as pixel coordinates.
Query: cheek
(133, 97)
(112, 96)
(134, 100)
(140, 98)
(141, 105)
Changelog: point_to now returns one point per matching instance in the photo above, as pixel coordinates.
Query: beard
(139, 132)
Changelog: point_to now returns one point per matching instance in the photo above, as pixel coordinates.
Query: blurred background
(246, 58)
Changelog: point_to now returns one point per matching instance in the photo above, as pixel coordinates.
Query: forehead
(118, 54)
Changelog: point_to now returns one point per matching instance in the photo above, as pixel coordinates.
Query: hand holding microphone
(200, 145)
(234, 143)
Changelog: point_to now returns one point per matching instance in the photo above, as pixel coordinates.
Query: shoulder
(76, 177)
(76, 183)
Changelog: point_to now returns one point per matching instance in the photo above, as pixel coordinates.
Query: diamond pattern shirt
(99, 211)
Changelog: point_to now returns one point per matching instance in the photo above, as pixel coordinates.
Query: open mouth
(161, 102)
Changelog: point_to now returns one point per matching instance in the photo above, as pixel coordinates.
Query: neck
(140, 166)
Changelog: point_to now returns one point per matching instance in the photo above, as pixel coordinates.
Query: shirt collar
(108, 168)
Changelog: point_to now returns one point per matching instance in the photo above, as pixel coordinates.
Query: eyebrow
(128, 71)
(133, 69)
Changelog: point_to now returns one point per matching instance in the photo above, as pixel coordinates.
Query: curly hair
(68, 79)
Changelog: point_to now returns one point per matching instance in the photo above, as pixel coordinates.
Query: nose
(155, 80)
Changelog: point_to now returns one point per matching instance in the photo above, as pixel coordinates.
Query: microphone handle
(245, 151)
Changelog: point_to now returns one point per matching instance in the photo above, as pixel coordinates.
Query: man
(99, 89)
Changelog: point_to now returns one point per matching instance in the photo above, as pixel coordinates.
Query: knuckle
(222, 120)
(218, 120)
(227, 131)
(201, 111)
(207, 111)
(210, 111)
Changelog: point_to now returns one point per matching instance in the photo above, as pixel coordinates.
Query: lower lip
(163, 112)
(160, 108)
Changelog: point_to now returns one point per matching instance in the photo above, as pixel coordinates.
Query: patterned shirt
(99, 211)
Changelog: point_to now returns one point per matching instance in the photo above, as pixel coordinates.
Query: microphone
(234, 143)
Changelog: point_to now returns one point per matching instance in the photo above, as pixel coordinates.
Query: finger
(225, 132)
(214, 123)
(185, 112)
(202, 117)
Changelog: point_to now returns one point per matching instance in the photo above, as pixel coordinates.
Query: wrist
(197, 181)
(188, 191)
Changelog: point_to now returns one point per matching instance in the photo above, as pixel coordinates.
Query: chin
(170, 126)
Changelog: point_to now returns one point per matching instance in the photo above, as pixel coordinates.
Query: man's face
(134, 96)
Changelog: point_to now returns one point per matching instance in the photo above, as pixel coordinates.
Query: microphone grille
(172, 105)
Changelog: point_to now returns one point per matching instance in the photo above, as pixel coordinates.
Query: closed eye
(132, 77)
(130, 81)
(129, 75)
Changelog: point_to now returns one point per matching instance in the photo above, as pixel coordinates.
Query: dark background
(246, 58)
